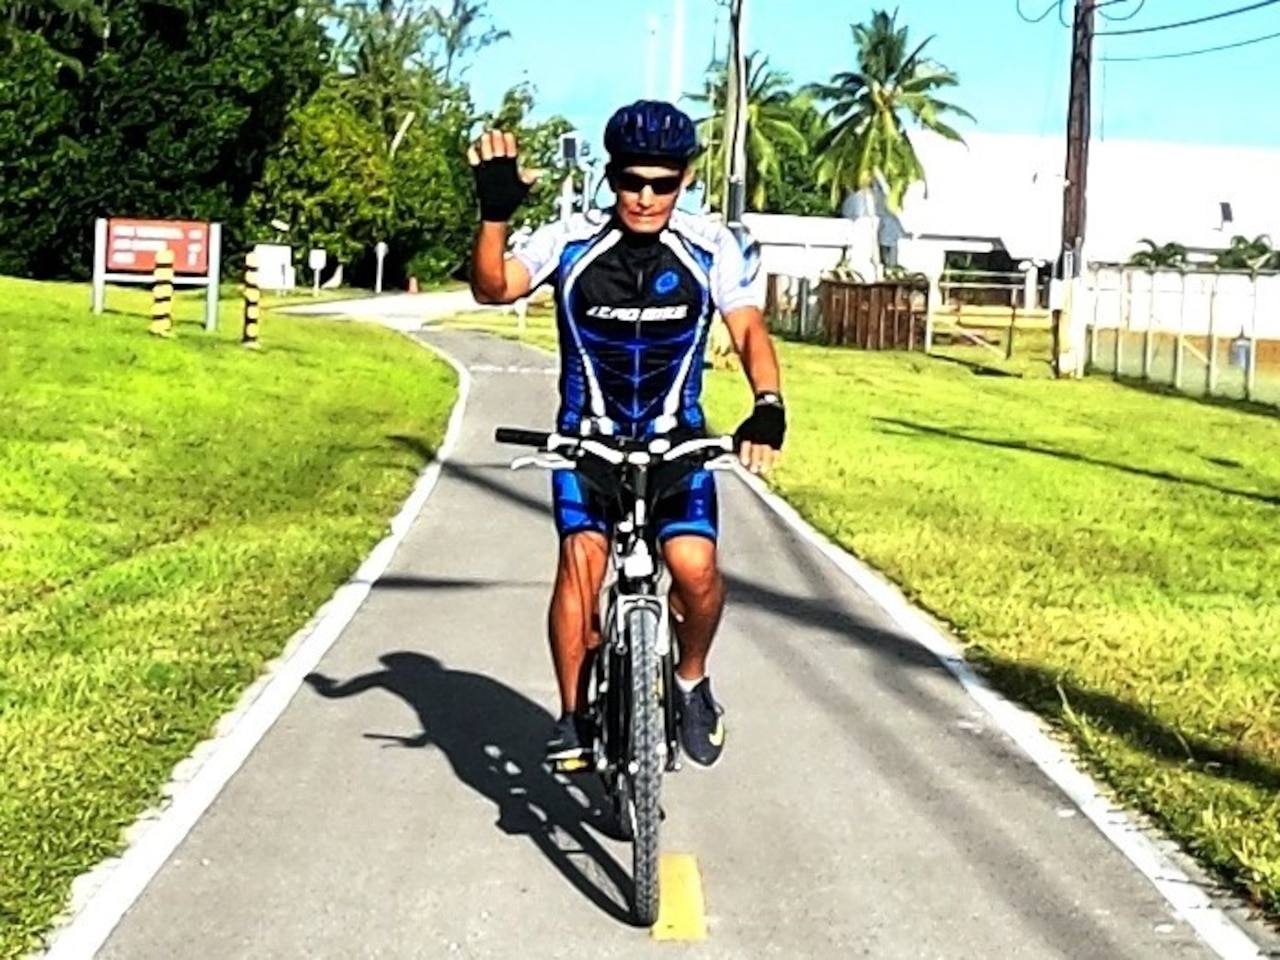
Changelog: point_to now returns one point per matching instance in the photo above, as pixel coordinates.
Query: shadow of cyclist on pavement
(493, 738)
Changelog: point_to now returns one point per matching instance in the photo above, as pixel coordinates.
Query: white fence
(1204, 333)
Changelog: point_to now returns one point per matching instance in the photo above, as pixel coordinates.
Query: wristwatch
(769, 398)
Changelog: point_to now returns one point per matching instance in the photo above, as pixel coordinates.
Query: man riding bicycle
(636, 289)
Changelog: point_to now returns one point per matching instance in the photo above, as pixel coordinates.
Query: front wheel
(647, 738)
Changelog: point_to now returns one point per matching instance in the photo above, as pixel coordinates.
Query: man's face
(647, 195)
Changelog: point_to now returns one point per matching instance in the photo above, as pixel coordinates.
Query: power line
(1060, 7)
(1192, 53)
(1056, 5)
(1187, 23)
(1128, 16)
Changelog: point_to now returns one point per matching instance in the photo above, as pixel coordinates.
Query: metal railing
(1200, 332)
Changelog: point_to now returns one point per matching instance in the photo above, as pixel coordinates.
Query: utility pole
(735, 118)
(1074, 199)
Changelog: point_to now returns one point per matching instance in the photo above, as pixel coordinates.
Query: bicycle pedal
(572, 765)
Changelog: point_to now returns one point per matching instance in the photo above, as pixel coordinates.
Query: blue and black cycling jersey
(633, 314)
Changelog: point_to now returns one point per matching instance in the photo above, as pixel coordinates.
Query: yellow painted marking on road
(682, 912)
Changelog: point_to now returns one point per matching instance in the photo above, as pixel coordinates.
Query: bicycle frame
(635, 557)
(633, 669)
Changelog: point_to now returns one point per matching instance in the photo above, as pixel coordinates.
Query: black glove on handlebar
(499, 188)
(767, 425)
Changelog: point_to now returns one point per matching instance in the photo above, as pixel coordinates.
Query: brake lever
(550, 461)
(725, 461)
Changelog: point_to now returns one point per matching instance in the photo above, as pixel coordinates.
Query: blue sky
(585, 57)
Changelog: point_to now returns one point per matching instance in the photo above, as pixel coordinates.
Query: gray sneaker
(701, 724)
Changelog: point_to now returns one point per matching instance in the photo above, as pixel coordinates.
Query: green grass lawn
(1107, 556)
(171, 512)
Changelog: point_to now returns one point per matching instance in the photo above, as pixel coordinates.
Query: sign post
(316, 260)
(124, 251)
(381, 251)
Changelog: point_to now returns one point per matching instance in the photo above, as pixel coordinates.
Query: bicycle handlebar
(615, 450)
(521, 437)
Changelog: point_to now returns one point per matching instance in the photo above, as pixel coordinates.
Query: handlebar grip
(521, 437)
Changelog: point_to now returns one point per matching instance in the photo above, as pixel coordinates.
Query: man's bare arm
(495, 277)
(760, 363)
(754, 345)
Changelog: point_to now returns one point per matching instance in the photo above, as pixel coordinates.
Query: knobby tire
(647, 736)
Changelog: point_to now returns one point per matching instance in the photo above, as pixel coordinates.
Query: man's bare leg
(697, 594)
(573, 626)
(697, 597)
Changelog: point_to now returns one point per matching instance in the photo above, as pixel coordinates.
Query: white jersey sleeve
(736, 278)
(540, 253)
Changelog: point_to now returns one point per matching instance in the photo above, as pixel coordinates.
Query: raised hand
(501, 183)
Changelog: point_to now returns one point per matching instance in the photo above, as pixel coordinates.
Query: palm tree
(797, 190)
(771, 122)
(459, 33)
(406, 55)
(382, 57)
(1246, 254)
(1158, 256)
(869, 109)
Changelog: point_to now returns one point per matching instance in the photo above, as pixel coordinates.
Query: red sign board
(132, 245)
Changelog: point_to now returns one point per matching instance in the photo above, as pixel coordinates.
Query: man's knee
(580, 572)
(692, 562)
(582, 556)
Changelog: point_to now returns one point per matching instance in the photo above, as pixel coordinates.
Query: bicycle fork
(614, 669)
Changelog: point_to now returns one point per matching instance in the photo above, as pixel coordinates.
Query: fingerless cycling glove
(767, 424)
(499, 188)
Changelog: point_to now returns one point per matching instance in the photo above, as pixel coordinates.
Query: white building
(1004, 192)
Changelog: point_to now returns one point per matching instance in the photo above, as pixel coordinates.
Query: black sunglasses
(630, 182)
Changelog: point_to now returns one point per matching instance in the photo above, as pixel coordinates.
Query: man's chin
(645, 224)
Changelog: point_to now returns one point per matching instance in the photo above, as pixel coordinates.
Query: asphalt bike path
(864, 805)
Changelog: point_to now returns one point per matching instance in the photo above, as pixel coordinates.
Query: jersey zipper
(635, 373)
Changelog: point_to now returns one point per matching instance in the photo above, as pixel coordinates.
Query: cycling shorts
(688, 509)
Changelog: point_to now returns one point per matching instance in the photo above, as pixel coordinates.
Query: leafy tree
(338, 187)
(871, 106)
(47, 21)
(398, 63)
(435, 206)
(173, 115)
(37, 159)
(329, 180)
(539, 150)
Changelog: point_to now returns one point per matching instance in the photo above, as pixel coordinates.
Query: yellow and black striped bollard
(252, 302)
(162, 294)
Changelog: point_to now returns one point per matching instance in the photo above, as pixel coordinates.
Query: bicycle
(633, 722)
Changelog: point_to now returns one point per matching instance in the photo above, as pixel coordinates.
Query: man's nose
(646, 194)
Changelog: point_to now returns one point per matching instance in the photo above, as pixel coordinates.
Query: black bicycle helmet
(651, 130)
